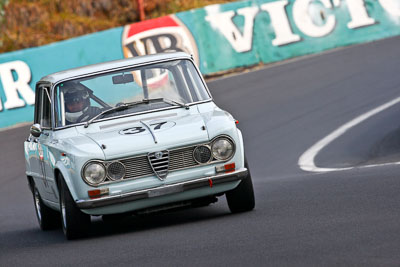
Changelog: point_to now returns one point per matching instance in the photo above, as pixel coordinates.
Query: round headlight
(94, 173)
(116, 171)
(222, 148)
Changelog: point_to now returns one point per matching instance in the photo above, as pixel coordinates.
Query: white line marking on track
(306, 160)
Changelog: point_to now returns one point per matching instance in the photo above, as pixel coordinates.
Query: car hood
(141, 136)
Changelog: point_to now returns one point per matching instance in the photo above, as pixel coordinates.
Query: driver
(77, 103)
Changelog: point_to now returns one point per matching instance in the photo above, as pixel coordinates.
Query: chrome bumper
(163, 190)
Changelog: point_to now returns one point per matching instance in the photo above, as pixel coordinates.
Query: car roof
(116, 64)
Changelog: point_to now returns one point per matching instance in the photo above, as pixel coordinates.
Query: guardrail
(220, 37)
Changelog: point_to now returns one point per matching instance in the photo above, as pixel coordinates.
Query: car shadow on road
(35, 238)
(131, 224)
(29, 239)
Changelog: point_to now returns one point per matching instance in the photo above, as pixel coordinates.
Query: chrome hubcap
(37, 204)
(63, 213)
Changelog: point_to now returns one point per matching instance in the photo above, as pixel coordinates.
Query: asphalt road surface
(343, 217)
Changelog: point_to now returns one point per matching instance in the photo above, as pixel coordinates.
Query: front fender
(76, 186)
(240, 148)
(65, 173)
(220, 122)
(72, 151)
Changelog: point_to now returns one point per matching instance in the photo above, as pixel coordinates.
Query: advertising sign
(220, 38)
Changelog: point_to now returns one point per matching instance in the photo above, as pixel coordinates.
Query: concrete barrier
(220, 37)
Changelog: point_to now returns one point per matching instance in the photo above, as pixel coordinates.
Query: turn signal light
(230, 167)
(96, 193)
(226, 168)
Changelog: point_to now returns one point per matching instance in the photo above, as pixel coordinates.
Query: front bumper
(163, 190)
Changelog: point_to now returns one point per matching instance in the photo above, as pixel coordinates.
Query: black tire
(241, 198)
(48, 219)
(74, 222)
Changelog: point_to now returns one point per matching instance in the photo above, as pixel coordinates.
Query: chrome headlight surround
(226, 143)
(94, 173)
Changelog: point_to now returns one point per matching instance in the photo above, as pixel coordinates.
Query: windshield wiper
(124, 106)
(113, 109)
(166, 100)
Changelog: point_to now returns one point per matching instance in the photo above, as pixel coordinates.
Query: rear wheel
(241, 198)
(47, 218)
(74, 222)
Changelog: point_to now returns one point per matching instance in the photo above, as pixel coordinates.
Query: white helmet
(77, 101)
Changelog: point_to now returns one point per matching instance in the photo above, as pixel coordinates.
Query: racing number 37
(139, 129)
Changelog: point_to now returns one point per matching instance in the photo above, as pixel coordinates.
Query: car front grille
(159, 162)
(182, 158)
(137, 167)
(177, 159)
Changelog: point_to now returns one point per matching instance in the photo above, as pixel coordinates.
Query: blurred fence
(220, 37)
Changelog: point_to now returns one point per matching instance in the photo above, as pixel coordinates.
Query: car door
(34, 167)
(44, 155)
(32, 158)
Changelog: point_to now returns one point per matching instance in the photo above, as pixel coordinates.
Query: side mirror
(36, 130)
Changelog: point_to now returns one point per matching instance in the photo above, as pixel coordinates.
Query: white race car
(130, 136)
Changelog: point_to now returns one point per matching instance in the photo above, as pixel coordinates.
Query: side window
(44, 114)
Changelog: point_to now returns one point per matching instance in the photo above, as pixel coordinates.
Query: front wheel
(47, 218)
(74, 222)
(241, 198)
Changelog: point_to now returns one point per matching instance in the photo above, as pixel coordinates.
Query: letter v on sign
(241, 42)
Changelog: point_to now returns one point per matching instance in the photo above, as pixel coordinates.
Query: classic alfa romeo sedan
(131, 136)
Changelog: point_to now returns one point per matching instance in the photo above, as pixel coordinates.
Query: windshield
(140, 89)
